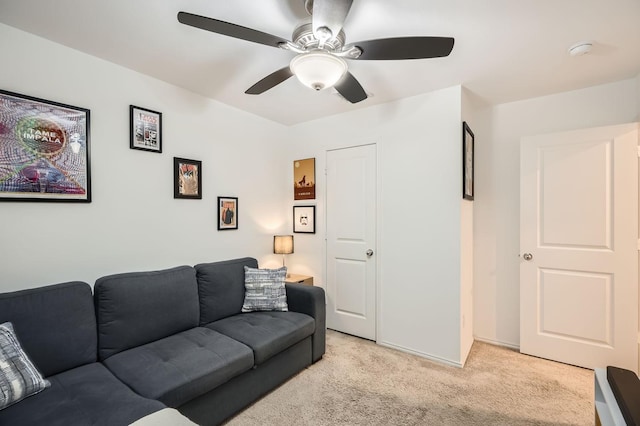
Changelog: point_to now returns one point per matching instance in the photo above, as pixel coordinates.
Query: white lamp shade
(318, 69)
(283, 244)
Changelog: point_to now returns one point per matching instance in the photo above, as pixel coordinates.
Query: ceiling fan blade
(404, 48)
(329, 14)
(350, 89)
(228, 29)
(270, 81)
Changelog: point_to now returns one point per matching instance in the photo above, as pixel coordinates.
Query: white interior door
(351, 241)
(578, 246)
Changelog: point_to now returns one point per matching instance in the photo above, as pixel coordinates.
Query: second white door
(351, 241)
(579, 234)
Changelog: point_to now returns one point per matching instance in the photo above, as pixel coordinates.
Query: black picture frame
(145, 129)
(44, 154)
(187, 178)
(468, 160)
(304, 219)
(227, 213)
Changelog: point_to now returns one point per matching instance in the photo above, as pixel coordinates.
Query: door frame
(377, 250)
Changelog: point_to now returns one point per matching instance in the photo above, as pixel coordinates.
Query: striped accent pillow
(264, 290)
(19, 378)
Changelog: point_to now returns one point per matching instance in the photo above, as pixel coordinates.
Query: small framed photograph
(44, 150)
(227, 213)
(187, 178)
(468, 140)
(304, 179)
(145, 129)
(304, 219)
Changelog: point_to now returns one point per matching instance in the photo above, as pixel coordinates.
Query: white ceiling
(505, 50)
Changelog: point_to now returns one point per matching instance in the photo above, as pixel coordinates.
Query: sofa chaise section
(56, 327)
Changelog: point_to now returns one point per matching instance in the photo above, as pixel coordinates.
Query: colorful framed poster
(44, 150)
(468, 141)
(187, 178)
(304, 219)
(227, 213)
(304, 179)
(145, 129)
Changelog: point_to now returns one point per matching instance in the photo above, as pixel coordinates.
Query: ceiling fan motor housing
(303, 36)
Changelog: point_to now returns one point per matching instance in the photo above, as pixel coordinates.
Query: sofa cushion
(56, 325)
(181, 367)
(267, 333)
(264, 290)
(139, 307)
(19, 378)
(221, 288)
(87, 395)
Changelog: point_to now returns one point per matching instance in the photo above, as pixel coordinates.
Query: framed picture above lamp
(304, 219)
(304, 179)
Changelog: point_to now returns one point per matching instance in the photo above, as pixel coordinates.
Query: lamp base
(284, 266)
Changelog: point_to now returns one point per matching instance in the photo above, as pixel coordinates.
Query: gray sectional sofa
(144, 341)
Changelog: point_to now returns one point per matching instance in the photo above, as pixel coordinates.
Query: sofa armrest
(310, 300)
(625, 385)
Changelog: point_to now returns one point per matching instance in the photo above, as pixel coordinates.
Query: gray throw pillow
(264, 290)
(19, 378)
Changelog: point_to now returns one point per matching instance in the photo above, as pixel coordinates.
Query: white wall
(496, 207)
(472, 108)
(419, 166)
(133, 222)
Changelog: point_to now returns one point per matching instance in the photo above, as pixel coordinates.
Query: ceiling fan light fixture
(318, 69)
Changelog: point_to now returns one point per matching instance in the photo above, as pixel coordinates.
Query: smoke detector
(580, 48)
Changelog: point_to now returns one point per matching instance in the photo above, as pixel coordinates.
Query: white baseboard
(420, 354)
(498, 343)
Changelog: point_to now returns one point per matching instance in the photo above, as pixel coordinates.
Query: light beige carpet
(360, 383)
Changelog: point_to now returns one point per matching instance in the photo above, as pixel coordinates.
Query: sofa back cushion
(56, 325)
(140, 307)
(221, 288)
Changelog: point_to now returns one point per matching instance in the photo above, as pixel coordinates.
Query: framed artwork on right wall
(304, 179)
(468, 142)
(304, 219)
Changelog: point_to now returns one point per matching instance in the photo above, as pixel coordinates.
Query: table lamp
(283, 244)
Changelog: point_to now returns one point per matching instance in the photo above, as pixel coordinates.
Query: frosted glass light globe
(318, 69)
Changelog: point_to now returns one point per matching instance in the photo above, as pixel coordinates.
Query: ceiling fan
(320, 45)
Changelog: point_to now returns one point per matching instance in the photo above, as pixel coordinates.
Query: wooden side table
(299, 279)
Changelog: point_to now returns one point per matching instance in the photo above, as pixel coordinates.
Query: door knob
(369, 253)
(527, 256)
